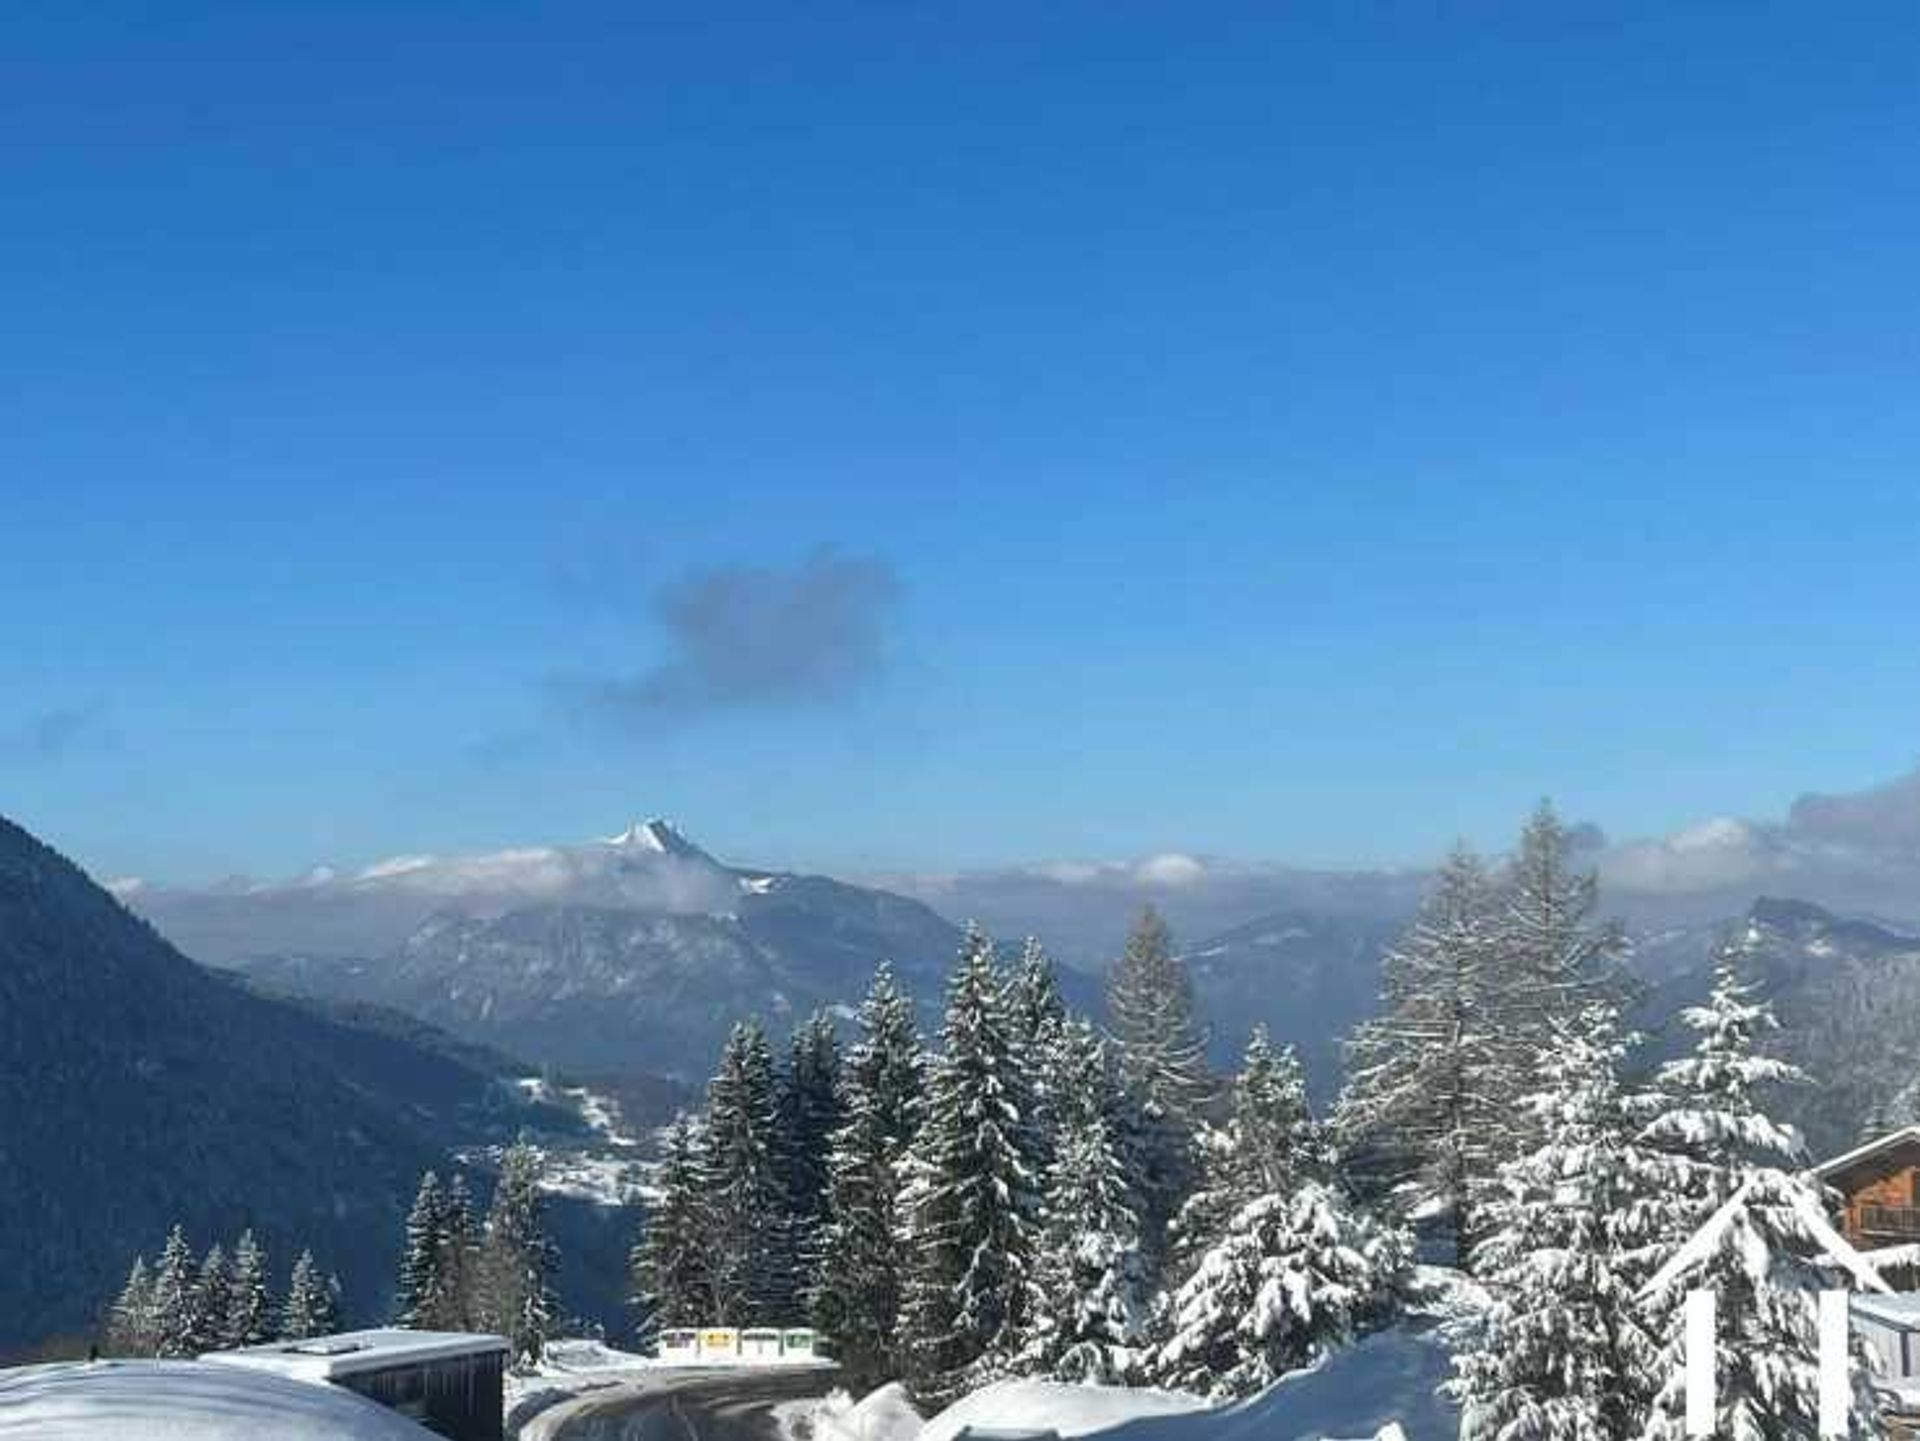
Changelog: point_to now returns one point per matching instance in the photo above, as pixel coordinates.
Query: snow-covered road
(732, 1404)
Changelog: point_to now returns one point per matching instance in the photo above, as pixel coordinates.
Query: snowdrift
(1390, 1379)
(186, 1401)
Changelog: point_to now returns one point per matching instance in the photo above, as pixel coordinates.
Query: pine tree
(310, 1308)
(173, 1299)
(1562, 1353)
(459, 1257)
(1269, 1143)
(809, 1113)
(518, 1257)
(212, 1300)
(671, 1258)
(422, 1299)
(856, 1298)
(1764, 1255)
(751, 1271)
(1711, 1122)
(1163, 1063)
(1293, 1277)
(249, 1306)
(972, 1208)
(130, 1328)
(1086, 1310)
(1426, 1117)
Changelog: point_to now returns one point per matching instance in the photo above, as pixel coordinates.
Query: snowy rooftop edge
(351, 1352)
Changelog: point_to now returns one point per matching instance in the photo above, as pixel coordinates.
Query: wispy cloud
(755, 637)
(50, 734)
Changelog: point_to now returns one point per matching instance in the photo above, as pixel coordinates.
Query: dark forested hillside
(137, 1088)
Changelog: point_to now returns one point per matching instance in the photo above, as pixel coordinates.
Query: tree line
(1033, 1195)
(183, 1306)
(461, 1273)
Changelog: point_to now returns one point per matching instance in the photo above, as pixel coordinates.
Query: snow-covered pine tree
(1294, 1277)
(212, 1298)
(249, 1306)
(173, 1298)
(1743, 1219)
(1710, 1122)
(1033, 1001)
(671, 1258)
(459, 1257)
(130, 1329)
(518, 1257)
(1087, 1305)
(309, 1308)
(1426, 1116)
(856, 1299)
(809, 1113)
(1268, 1144)
(420, 1302)
(1765, 1255)
(750, 1272)
(1561, 1353)
(972, 1203)
(1163, 1064)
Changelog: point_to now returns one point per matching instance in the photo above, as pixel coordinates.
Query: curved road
(735, 1404)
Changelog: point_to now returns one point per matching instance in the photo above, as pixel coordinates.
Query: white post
(1835, 1393)
(1701, 1401)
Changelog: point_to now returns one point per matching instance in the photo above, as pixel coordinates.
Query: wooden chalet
(1879, 1186)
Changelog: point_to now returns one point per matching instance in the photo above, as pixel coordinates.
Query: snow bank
(1384, 1387)
(186, 1401)
(883, 1415)
(1071, 1410)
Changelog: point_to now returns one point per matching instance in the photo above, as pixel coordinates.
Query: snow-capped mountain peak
(658, 837)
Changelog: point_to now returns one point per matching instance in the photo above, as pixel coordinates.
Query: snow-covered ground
(608, 1170)
(186, 1401)
(1384, 1387)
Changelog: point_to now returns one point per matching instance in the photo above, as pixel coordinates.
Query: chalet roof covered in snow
(186, 1401)
(1880, 1150)
(351, 1353)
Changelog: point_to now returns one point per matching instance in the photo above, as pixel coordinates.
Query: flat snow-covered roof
(351, 1353)
(1900, 1309)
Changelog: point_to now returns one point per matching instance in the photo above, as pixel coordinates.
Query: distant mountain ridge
(646, 955)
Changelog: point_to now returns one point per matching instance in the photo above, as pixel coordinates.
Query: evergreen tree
(856, 1298)
(1710, 1122)
(422, 1299)
(1163, 1064)
(174, 1298)
(1269, 1143)
(212, 1300)
(1426, 1117)
(751, 1271)
(459, 1257)
(972, 1208)
(809, 1110)
(671, 1258)
(1293, 1277)
(1037, 1007)
(519, 1258)
(1561, 1353)
(130, 1323)
(1764, 1255)
(310, 1308)
(249, 1306)
(1087, 1306)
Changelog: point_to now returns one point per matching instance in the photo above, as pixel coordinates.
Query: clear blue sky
(1306, 431)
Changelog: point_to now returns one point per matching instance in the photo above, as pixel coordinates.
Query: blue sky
(1305, 431)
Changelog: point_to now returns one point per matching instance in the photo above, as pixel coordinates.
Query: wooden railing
(1890, 1221)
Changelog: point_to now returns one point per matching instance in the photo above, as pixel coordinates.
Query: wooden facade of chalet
(1879, 1188)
